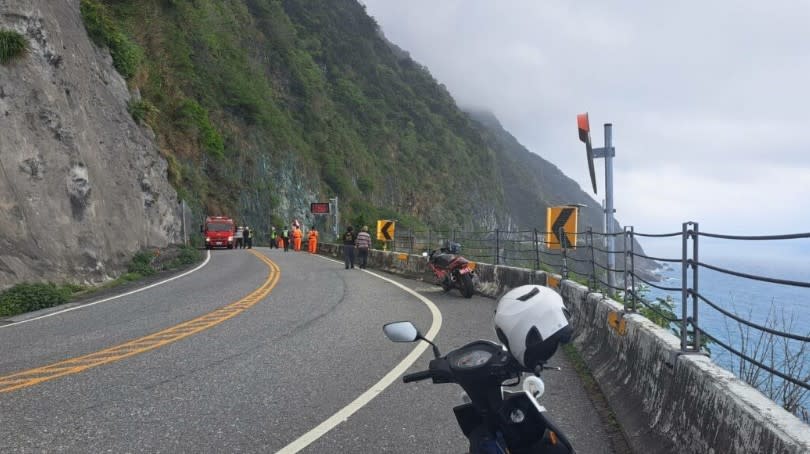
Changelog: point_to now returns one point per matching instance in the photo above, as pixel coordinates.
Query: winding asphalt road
(250, 353)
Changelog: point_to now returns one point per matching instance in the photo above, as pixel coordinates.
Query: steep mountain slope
(262, 106)
(257, 108)
(81, 185)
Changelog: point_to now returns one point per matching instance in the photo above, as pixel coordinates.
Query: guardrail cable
(605, 251)
(610, 269)
(657, 259)
(657, 235)
(752, 276)
(748, 323)
(649, 306)
(519, 247)
(554, 254)
(668, 289)
(781, 375)
(612, 287)
(793, 236)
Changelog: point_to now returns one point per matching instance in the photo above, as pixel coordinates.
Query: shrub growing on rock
(12, 45)
(27, 297)
(103, 31)
(142, 263)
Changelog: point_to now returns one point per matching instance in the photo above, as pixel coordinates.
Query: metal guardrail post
(564, 270)
(624, 264)
(536, 251)
(632, 269)
(684, 290)
(497, 246)
(592, 283)
(695, 272)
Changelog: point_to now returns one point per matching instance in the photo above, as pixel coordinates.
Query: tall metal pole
(608, 153)
(611, 259)
(604, 226)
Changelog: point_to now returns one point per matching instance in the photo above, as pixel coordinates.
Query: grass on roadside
(27, 297)
(591, 386)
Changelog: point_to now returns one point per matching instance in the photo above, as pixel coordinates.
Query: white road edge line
(205, 262)
(305, 440)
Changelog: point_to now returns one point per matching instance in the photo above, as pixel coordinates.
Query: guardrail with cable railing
(587, 261)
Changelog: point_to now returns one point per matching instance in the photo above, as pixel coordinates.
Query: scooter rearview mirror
(401, 332)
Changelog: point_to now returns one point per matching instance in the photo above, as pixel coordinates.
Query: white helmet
(531, 320)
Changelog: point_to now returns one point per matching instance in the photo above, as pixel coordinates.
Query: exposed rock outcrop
(82, 186)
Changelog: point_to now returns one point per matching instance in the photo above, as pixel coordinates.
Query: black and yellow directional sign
(561, 227)
(385, 230)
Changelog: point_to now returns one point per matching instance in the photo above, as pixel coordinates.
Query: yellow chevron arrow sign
(561, 227)
(385, 230)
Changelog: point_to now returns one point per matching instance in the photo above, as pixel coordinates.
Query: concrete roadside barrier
(665, 401)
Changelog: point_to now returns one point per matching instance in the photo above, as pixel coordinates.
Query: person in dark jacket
(348, 247)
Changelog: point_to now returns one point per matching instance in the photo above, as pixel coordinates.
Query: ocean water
(751, 299)
(781, 307)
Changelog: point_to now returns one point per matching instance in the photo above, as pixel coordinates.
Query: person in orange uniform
(296, 235)
(312, 240)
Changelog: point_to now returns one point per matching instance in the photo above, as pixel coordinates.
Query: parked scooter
(496, 421)
(451, 270)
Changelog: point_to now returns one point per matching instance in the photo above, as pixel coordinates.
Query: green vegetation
(239, 91)
(660, 311)
(144, 112)
(192, 118)
(12, 45)
(615, 435)
(26, 297)
(148, 262)
(142, 263)
(103, 30)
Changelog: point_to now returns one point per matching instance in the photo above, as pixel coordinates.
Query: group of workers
(283, 237)
(293, 236)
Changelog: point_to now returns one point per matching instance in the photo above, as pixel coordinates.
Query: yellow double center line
(144, 344)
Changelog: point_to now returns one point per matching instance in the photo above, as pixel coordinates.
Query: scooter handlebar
(417, 376)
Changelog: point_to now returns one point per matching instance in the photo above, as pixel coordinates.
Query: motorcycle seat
(443, 260)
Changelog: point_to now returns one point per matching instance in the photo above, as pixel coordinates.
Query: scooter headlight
(517, 416)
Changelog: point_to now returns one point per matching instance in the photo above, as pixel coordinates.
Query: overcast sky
(709, 100)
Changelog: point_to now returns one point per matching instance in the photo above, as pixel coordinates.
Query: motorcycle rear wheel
(467, 287)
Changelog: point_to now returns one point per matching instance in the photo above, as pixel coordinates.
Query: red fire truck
(218, 232)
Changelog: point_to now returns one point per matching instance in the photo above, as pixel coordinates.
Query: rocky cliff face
(82, 186)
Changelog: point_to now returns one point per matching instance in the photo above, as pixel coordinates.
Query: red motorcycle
(451, 270)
